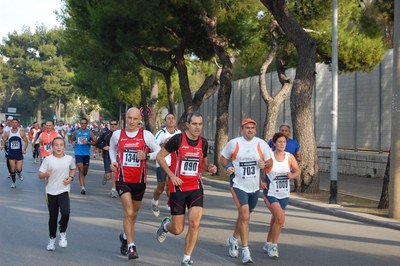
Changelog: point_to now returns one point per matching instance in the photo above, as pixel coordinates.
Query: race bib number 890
(189, 166)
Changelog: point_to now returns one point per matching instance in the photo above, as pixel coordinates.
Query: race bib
(281, 182)
(47, 147)
(190, 166)
(248, 170)
(130, 158)
(82, 139)
(15, 145)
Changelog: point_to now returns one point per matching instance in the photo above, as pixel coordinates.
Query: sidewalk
(351, 185)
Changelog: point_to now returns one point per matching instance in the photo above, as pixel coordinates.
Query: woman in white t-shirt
(277, 191)
(58, 170)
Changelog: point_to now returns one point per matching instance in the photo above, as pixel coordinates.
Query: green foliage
(35, 68)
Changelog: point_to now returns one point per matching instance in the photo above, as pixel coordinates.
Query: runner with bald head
(129, 150)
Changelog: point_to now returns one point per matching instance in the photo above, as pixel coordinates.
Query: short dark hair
(190, 115)
(165, 118)
(277, 136)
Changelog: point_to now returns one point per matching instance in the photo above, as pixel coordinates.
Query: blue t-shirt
(292, 146)
(81, 148)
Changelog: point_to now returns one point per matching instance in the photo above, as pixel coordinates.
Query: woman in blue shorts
(276, 194)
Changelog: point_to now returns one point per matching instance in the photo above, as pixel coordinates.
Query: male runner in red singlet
(188, 156)
(132, 145)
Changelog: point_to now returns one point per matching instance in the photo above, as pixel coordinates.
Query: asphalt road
(308, 237)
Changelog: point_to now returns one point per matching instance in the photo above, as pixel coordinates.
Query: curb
(336, 210)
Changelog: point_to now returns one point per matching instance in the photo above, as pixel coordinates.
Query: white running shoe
(273, 251)
(267, 246)
(233, 247)
(63, 240)
(51, 246)
(154, 208)
(246, 256)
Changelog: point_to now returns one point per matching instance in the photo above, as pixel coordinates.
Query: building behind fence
(364, 114)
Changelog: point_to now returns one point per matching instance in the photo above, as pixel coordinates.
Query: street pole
(334, 113)
(394, 182)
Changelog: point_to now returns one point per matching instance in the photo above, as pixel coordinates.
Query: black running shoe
(124, 245)
(132, 253)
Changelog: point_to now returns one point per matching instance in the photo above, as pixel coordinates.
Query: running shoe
(104, 181)
(114, 194)
(246, 257)
(83, 191)
(267, 246)
(124, 245)
(132, 253)
(233, 247)
(187, 263)
(51, 246)
(161, 235)
(13, 185)
(35, 160)
(62, 243)
(154, 208)
(273, 251)
(21, 177)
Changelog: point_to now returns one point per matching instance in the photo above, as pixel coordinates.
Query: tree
(37, 65)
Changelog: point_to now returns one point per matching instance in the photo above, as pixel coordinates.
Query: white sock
(154, 202)
(233, 239)
(186, 258)
(130, 245)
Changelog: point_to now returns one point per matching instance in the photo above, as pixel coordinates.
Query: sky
(16, 13)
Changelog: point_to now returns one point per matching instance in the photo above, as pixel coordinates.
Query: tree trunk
(384, 201)
(300, 98)
(83, 112)
(143, 101)
(39, 106)
(273, 104)
(153, 105)
(224, 93)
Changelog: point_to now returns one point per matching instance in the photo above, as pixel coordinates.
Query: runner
(132, 145)
(188, 157)
(162, 137)
(15, 156)
(103, 143)
(58, 170)
(248, 154)
(45, 140)
(83, 138)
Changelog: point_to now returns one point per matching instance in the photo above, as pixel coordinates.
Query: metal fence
(364, 107)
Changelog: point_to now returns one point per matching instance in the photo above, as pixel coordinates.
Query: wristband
(72, 177)
(227, 166)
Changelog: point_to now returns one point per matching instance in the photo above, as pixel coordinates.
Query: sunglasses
(113, 124)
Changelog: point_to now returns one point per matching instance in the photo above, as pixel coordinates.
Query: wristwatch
(147, 157)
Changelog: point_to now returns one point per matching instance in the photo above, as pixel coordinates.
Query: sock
(165, 228)
(154, 202)
(131, 244)
(233, 239)
(124, 236)
(186, 258)
(13, 176)
(113, 189)
(244, 248)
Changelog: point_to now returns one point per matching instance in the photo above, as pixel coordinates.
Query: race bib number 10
(189, 166)
(130, 158)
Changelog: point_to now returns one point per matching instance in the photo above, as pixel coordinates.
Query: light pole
(334, 113)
